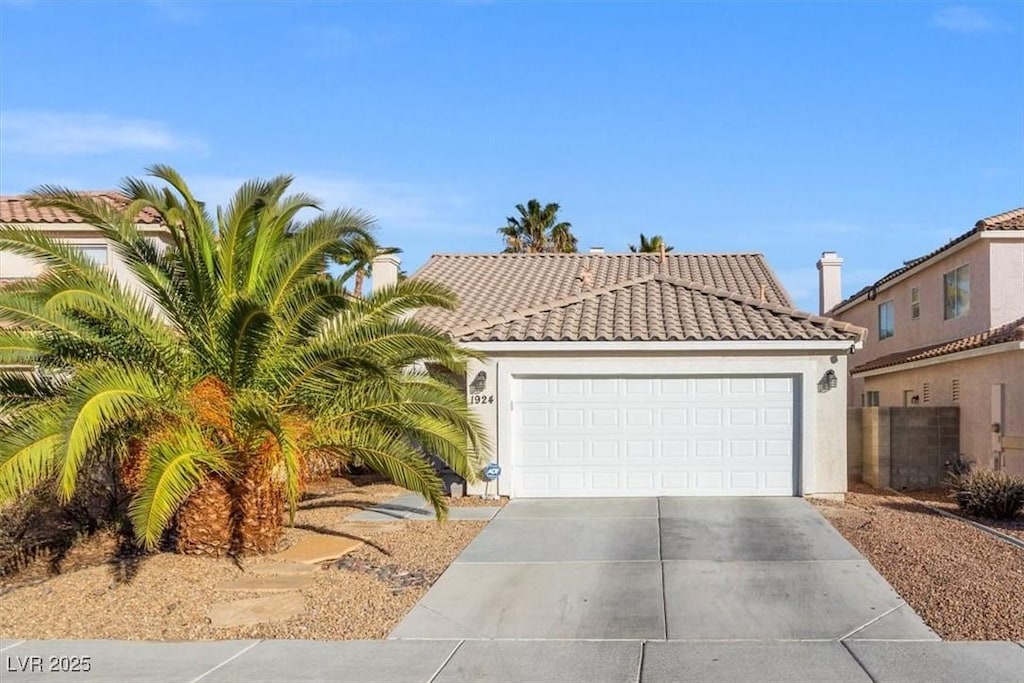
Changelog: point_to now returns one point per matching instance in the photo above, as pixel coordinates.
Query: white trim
(764, 346)
(948, 358)
(1001, 234)
(802, 369)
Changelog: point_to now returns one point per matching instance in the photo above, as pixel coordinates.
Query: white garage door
(653, 436)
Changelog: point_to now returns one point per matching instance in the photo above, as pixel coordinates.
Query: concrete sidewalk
(412, 506)
(452, 661)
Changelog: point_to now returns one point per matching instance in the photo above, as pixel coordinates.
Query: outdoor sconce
(828, 381)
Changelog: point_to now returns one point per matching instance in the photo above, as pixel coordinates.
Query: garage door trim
(793, 430)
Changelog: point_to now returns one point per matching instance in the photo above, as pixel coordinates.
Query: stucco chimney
(830, 281)
(384, 271)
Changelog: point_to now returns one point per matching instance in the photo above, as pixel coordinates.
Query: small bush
(985, 493)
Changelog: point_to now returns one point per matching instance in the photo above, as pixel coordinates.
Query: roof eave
(762, 345)
(951, 357)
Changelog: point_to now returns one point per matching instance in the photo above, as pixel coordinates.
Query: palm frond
(176, 466)
(99, 398)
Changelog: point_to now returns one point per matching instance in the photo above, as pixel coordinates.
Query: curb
(1005, 538)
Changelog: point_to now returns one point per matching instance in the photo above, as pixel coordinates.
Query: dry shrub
(986, 493)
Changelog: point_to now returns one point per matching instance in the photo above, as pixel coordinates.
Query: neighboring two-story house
(947, 329)
(69, 228)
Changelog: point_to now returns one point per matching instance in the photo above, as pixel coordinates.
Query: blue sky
(878, 130)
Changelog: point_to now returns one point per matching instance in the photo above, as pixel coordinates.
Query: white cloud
(966, 19)
(403, 210)
(178, 11)
(75, 133)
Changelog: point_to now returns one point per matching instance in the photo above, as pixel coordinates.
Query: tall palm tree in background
(650, 246)
(357, 255)
(242, 360)
(537, 230)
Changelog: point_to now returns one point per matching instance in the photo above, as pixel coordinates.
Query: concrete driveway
(661, 568)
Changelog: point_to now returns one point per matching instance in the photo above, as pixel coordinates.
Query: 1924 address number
(477, 399)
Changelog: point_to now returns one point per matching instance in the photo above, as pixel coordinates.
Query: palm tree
(241, 362)
(650, 246)
(537, 230)
(358, 256)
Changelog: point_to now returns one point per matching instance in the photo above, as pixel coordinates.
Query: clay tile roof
(21, 209)
(1008, 220)
(619, 297)
(1013, 331)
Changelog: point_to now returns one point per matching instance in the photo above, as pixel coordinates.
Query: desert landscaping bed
(167, 596)
(965, 584)
(939, 498)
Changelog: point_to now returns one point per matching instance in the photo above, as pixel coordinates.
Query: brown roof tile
(1008, 220)
(657, 308)
(23, 209)
(1013, 331)
(490, 285)
(610, 297)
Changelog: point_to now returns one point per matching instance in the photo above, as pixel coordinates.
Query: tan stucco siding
(15, 266)
(1007, 274)
(976, 378)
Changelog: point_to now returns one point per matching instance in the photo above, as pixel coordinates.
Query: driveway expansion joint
(863, 626)
(857, 660)
(226, 661)
(446, 661)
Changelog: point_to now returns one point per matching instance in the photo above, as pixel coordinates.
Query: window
(97, 253)
(886, 320)
(871, 399)
(915, 303)
(926, 393)
(956, 391)
(956, 286)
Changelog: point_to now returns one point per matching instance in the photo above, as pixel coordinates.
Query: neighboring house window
(97, 253)
(871, 399)
(915, 303)
(956, 287)
(886, 320)
(956, 391)
(926, 393)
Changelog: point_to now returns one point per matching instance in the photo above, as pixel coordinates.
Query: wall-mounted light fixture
(828, 381)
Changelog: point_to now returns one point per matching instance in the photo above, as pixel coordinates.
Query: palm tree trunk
(357, 286)
(232, 518)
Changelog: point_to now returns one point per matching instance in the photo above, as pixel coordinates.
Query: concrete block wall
(903, 448)
(854, 445)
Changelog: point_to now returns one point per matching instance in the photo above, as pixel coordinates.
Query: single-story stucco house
(646, 374)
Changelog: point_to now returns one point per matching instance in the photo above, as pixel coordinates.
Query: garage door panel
(653, 436)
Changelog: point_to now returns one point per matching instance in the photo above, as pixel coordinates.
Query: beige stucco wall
(977, 376)
(930, 327)
(17, 266)
(1007, 274)
(821, 431)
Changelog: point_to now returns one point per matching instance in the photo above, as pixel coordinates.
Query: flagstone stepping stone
(317, 549)
(281, 569)
(256, 610)
(268, 584)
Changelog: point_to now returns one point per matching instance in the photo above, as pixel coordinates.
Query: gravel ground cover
(167, 595)
(940, 498)
(965, 584)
